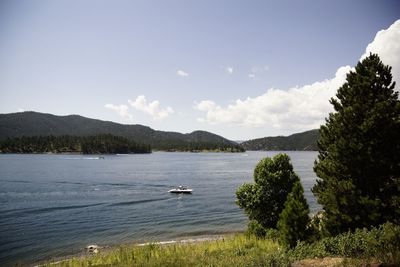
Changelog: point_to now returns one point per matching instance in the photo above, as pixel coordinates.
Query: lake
(55, 205)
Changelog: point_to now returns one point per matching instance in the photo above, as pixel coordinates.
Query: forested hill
(299, 141)
(98, 144)
(40, 124)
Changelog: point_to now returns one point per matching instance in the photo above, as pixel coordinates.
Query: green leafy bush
(380, 243)
(256, 229)
(264, 200)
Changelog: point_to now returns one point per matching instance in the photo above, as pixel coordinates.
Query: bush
(305, 250)
(256, 229)
(272, 234)
(380, 243)
(316, 228)
(264, 200)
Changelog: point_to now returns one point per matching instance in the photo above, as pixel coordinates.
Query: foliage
(359, 160)
(299, 141)
(294, 219)
(200, 147)
(315, 228)
(264, 200)
(99, 144)
(256, 229)
(380, 244)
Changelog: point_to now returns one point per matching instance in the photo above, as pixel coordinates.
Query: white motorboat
(181, 190)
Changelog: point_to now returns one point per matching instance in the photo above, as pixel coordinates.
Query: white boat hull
(181, 191)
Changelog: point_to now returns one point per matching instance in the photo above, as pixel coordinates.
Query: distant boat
(181, 190)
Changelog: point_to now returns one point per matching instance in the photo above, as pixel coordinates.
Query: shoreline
(84, 253)
(122, 154)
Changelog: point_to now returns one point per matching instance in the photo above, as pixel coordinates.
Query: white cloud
(152, 108)
(299, 108)
(251, 75)
(182, 73)
(121, 110)
(229, 70)
(21, 110)
(387, 45)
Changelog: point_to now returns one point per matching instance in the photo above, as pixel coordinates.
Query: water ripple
(135, 202)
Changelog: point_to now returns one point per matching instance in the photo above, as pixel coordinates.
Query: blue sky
(236, 68)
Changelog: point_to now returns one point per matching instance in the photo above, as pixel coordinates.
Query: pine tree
(264, 200)
(359, 151)
(293, 220)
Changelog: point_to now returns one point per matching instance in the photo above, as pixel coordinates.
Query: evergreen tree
(359, 151)
(293, 220)
(264, 200)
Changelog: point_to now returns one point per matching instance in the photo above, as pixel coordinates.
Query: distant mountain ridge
(42, 124)
(299, 141)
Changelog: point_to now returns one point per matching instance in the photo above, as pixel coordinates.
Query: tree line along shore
(99, 144)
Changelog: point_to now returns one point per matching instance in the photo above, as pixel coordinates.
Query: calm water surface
(55, 205)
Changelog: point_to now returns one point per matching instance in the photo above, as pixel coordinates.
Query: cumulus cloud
(229, 70)
(152, 108)
(299, 108)
(387, 45)
(21, 110)
(121, 110)
(251, 75)
(182, 73)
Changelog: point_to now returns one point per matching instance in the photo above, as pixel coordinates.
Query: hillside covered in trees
(40, 124)
(99, 144)
(299, 141)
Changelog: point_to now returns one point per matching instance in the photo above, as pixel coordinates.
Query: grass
(360, 248)
(236, 250)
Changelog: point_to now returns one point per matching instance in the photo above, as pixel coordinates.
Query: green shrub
(272, 234)
(315, 229)
(389, 243)
(264, 200)
(305, 250)
(277, 259)
(256, 229)
(380, 243)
